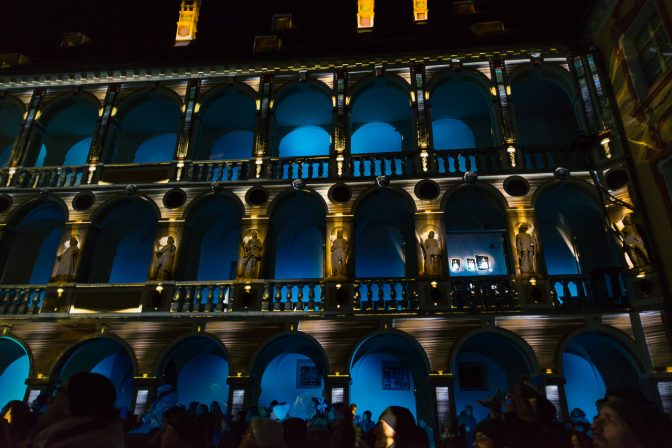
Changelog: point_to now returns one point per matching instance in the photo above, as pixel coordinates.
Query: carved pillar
(102, 129)
(23, 139)
(504, 106)
(341, 119)
(264, 107)
(190, 109)
(422, 126)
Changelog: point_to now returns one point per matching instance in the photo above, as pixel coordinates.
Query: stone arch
(487, 360)
(11, 117)
(122, 242)
(209, 247)
(302, 120)
(571, 228)
(533, 88)
(30, 241)
(391, 368)
(290, 354)
(64, 132)
(145, 127)
(596, 360)
(474, 122)
(226, 124)
(295, 247)
(384, 235)
(197, 365)
(381, 116)
(108, 355)
(16, 365)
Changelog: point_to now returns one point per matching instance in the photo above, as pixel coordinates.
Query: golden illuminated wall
(646, 113)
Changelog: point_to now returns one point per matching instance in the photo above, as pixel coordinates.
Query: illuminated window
(282, 22)
(186, 24)
(264, 44)
(365, 14)
(395, 376)
(308, 375)
(420, 10)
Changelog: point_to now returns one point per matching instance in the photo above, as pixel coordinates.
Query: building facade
(408, 230)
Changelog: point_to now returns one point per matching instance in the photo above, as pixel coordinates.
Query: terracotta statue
(339, 254)
(633, 243)
(64, 270)
(165, 256)
(526, 248)
(251, 257)
(432, 252)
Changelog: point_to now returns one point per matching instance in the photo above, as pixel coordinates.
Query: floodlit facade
(420, 231)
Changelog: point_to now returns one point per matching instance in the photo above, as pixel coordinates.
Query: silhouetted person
(21, 421)
(397, 429)
(630, 424)
(81, 416)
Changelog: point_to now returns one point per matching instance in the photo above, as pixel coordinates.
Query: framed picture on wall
(473, 376)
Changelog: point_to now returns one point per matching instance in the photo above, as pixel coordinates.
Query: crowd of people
(81, 413)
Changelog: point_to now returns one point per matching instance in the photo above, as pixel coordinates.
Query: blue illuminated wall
(31, 248)
(570, 221)
(106, 357)
(210, 245)
(279, 383)
(381, 119)
(224, 129)
(14, 370)
(67, 128)
(543, 112)
(302, 122)
(461, 115)
(585, 385)
(384, 236)
(125, 244)
(367, 386)
(297, 238)
(147, 132)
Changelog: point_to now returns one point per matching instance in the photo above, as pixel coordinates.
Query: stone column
(337, 386)
(23, 138)
(242, 393)
(264, 106)
(189, 111)
(102, 128)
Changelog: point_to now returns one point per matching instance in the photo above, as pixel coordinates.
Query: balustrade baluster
(289, 304)
(393, 295)
(311, 297)
(369, 296)
(278, 297)
(229, 171)
(208, 299)
(266, 304)
(357, 296)
(16, 303)
(22, 303)
(299, 299)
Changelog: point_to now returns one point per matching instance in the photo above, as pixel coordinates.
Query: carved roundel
(256, 195)
(340, 193)
(174, 198)
(617, 179)
(83, 201)
(5, 202)
(516, 186)
(427, 190)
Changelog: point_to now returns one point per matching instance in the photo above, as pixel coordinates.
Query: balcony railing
(603, 288)
(21, 299)
(448, 163)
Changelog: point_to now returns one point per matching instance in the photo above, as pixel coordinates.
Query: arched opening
(297, 238)
(381, 119)
(462, 115)
(104, 356)
(11, 113)
(224, 129)
(302, 121)
(63, 134)
(387, 370)
(30, 243)
(211, 240)
(543, 110)
(475, 223)
(572, 232)
(291, 370)
(385, 236)
(120, 248)
(14, 370)
(485, 363)
(145, 130)
(198, 369)
(593, 363)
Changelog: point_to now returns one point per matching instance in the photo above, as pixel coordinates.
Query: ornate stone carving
(633, 243)
(339, 255)
(526, 246)
(165, 257)
(431, 251)
(64, 269)
(249, 262)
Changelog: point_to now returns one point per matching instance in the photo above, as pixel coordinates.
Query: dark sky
(136, 32)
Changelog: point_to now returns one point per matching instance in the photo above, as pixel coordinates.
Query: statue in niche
(526, 248)
(633, 243)
(165, 256)
(64, 270)
(431, 249)
(339, 255)
(249, 264)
